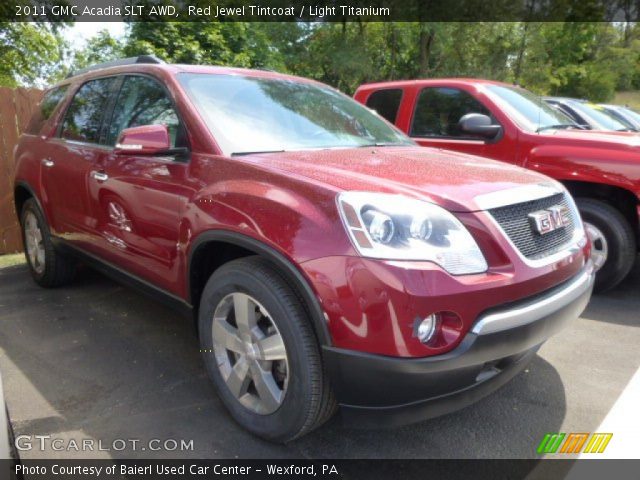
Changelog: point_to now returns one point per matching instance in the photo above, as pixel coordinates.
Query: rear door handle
(99, 176)
(47, 162)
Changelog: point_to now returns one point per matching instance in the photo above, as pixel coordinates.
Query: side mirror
(144, 140)
(478, 124)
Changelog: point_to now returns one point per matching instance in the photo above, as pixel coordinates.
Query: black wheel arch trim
(26, 186)
(292, 273)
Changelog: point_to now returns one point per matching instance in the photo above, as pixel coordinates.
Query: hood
(449, 179)
(627, 141)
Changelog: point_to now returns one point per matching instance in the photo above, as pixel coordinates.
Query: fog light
(426, 328)
(438, 332)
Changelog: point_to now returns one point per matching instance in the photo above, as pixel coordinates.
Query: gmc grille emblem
(545, 221)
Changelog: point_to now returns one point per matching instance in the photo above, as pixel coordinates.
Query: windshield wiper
(557, 127)
(238, 154)
(384, 144)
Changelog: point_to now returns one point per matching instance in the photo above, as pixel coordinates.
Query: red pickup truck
(511, 124)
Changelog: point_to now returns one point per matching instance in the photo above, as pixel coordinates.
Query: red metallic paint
(372, 304)
(287, 201)
(143, 140)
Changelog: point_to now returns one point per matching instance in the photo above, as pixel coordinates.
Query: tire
(50, 269)
(620, 241)
(306, 400)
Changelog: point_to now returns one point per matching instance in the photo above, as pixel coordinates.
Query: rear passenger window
(47, 106)
(143, 101)
(438, 111)
(83, 120)
(386, 103)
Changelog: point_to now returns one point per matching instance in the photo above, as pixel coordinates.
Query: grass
(631, 99)
(12, 259)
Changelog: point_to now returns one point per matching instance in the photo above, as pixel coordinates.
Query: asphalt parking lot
(100, 361)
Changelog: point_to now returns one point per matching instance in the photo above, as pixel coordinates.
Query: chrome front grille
(518, 226)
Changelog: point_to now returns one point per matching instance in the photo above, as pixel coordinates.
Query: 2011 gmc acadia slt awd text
(327, 259)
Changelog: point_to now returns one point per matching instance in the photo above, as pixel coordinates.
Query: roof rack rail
(116, 63)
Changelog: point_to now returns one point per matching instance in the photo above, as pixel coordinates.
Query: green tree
(30, 53)
(588, 60)
(573, 59)
(100, 48)
(232, 43)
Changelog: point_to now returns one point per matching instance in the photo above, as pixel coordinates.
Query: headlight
(394, 227)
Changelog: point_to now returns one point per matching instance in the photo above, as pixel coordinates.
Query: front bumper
(500, 344)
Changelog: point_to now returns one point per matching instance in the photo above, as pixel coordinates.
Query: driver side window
(143, 101)
(438, 111)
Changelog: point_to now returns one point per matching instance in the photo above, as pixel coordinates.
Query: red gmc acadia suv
(601, 169)
(327, 259)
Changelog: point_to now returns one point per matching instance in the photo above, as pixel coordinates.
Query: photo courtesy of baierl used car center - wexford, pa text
(298, 240)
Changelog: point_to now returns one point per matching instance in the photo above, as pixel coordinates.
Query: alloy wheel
(34, 243)
(599, 245)
(250, 353)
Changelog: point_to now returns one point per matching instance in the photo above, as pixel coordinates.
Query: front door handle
(99, 176)
(47, 162)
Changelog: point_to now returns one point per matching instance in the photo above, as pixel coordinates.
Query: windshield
(251, 114)
(624, 115)
(597, 117)
(635, 116)
(529, 110)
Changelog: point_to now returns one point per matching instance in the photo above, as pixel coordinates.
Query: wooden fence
(16, 106)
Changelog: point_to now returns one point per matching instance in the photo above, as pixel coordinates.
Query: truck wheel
(613, 243)
(261, 351)
(47, 266)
